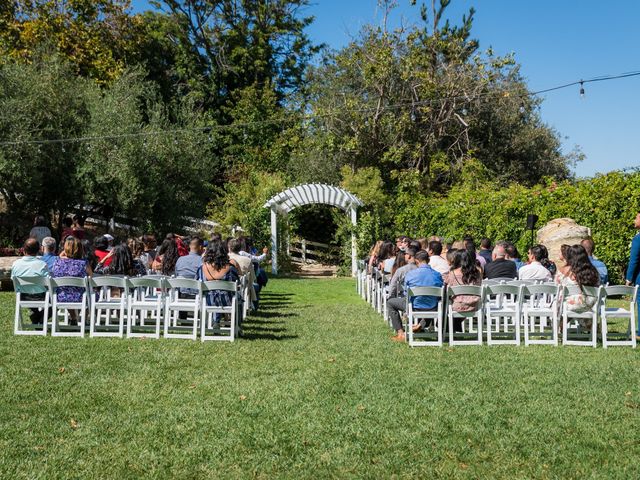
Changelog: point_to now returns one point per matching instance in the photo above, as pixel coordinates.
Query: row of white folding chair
(540, 305)
(157, 295)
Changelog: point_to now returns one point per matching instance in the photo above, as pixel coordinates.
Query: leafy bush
(606, 203)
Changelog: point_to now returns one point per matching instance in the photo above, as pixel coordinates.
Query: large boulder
(560, 231)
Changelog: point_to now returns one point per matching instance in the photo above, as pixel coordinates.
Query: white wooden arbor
(309, 194)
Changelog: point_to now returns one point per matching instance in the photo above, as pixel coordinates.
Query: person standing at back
(40, 229)
(633, 270)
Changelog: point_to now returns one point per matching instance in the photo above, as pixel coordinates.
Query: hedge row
(606, 203)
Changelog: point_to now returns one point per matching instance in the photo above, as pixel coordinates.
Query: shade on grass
(316, 389)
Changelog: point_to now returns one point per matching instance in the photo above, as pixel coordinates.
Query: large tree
(423, 98)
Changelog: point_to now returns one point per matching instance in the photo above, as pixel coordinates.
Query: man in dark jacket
(633, 270)
(500, 267)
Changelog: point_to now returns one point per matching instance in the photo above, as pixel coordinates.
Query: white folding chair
(608, 313)
(146, 306)
(385, 296)
(507, 314)
(108, 295)
(31, 329)
(64, 308)
(414, 316)
(175, 327)
(540, 309)
(219, 329)
(472, 333)
(571, 319)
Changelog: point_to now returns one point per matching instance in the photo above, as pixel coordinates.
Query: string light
(332, 114)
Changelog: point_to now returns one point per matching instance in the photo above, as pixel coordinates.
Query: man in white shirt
(436, 261)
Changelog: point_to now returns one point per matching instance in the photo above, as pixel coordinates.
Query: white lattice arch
(310, 194)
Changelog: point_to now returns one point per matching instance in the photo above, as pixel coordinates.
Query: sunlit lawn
(315, 390)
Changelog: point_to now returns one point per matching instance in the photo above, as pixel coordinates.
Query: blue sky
(556, 42)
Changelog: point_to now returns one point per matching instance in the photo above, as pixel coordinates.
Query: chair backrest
(425, 291)
(30, 281)
(540, 289)
(464, 290)
(190, 283)
(108, 281)
(621, 290)
(57, 282)
(501, 289)
(595, 292)
(147, 282)
(219, 285)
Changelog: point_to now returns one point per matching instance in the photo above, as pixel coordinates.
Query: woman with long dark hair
(400, 261)
(578, 271)
(216, 266)
(387, 257)
(464, 271)
(165, 261)
(122, 263)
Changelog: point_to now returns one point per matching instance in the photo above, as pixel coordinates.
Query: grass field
(315, 390)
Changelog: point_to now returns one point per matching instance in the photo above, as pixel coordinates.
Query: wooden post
(274, 240)
(304, 250)
(354, 248)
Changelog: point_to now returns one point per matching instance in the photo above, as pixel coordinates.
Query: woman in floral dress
(71, 263)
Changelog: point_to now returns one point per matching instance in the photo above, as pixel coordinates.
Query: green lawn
(315, 390)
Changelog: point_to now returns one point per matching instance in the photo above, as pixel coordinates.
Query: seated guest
(101, 248)
(165, 262)
(136, 247)
(216, 266)
(464, 271)
(589, 245)
(397, 280)
(122, 263)
(49, 251)
(415, 244)
(579, 271)
(500, 267)
(78, 227)
(31, 266)
(187, 266)
(250, 251)
(424, 243)
(89, 256)
(71, 263)
(436, 260)
(180, 244)
(485, 249)
(470, 245)
(243, 263)
(110, 239)
(40, 229)
(399, 262)
(67, 230)
(374, 254)
(149, 250)
(513, 254)
(402, 243)
(538, 266)
(423, 276)
(387, 257)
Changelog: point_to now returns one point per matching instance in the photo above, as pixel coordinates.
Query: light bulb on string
(581, 90)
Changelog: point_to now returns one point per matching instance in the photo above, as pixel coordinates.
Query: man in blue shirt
(49, 252)
(187, 266)
(31, 266)
(590, 246)
(633, 270)
(423, 276)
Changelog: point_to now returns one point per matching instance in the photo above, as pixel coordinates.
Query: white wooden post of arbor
(312, 193)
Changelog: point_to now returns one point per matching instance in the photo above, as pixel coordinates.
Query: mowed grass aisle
(315, 390)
